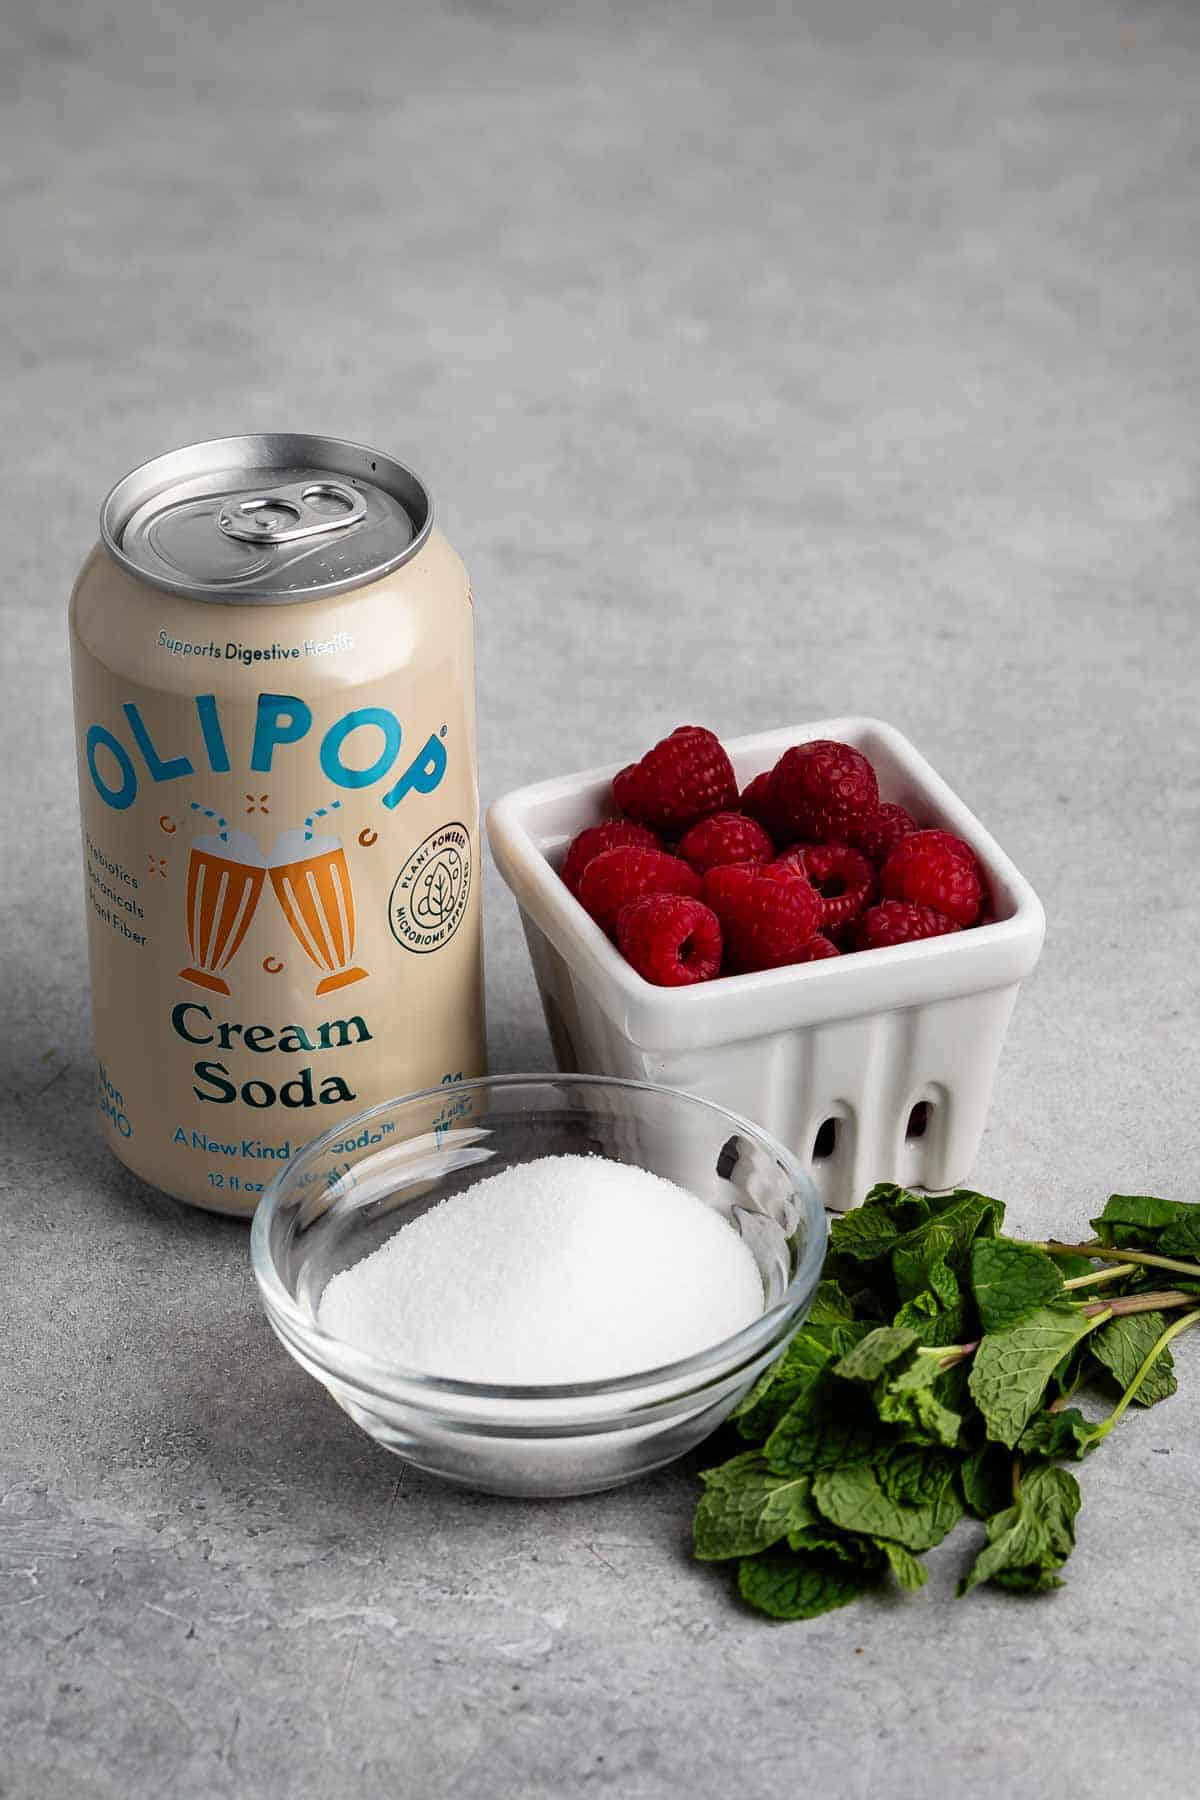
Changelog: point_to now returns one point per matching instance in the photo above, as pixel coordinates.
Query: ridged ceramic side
(860, 1040)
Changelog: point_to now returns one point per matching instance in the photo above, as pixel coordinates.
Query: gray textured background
(765, 366)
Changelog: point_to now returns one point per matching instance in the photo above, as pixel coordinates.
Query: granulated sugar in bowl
(542, 1284)
(580, 1269)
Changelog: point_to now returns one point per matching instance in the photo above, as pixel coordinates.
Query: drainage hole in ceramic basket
(825, 1142)
(918, 1120)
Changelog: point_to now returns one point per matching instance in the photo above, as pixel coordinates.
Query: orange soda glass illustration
(224, 884)
(312, 884)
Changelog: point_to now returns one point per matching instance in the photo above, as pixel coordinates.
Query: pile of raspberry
(692, 880)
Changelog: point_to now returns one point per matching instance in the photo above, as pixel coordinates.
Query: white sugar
(568, 1268)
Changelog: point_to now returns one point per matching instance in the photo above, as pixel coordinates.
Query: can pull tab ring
(283, 514)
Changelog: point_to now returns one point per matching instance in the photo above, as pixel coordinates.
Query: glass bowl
(348, 1191)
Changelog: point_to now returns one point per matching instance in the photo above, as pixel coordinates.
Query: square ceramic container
(872, 1067)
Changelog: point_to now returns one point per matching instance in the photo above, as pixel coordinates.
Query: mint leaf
(907, 1400)
(943, 1284)
(869, 1359)
(857, 1500)
(966, 1215)
(1151, 1280)
(933, 1323)
(901, 1221)
(786, 1584)
(1010, 1369)
(832, 1426)
(1141, 1209)
(986, 1480)
(1035, 1580)
(1030, 1541)
(781, 1386)
(864, 1234)
(745, 1508)
(860, 1552)
(1010, 1281)
(1123, 1346)
(922, 1264)
(888, 1194)
(1055, 1434)
(1130, 1219)
(789, 1379)
(944, 1206)
(961, 1217)
(887, 1215)
(1183, 1237)
(1128, 1237)
(905, 1567)
(830, 1305)
(903, 1206)
(869, 1448)
(899, 1238)
(914, 1476)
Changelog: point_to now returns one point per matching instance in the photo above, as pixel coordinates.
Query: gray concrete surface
(767, 363)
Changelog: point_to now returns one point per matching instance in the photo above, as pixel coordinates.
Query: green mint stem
(1100, 1275)
(1103, 1254)
(1173, 1331)
(950, 1353)
(1137, 1303)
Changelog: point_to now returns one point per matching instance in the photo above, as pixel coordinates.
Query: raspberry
(613, 834)
(756, 804)
(727, 837)
(935, 868)
(817, 949)
(615, 877)
(684, 778)
(954, 846)
(791, 862)
(754, 797)
(899, 922)
(843, 878)
(767, 917)
(821, 787)
(880, 831)
(670, 940)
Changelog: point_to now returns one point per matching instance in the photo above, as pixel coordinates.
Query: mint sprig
(934, 1380)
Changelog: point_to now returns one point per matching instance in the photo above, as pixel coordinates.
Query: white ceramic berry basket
(871, 1067)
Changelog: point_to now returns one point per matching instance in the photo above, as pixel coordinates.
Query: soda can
(273, 663)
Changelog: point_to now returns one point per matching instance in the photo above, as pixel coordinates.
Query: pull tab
(283, 514)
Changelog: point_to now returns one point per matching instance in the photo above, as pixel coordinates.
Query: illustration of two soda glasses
(226, 877)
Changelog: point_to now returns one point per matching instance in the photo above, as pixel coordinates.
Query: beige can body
(281, 863)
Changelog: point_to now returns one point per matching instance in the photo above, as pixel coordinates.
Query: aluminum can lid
(266, 520)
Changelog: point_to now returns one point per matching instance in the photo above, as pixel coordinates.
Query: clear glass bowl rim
(393, 1381)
